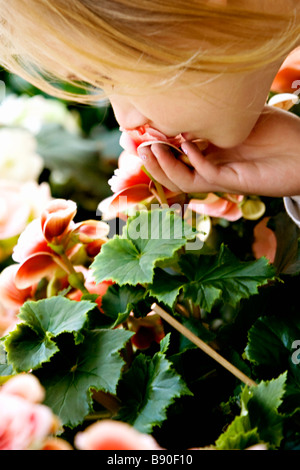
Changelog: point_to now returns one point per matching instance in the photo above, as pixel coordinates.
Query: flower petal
(11, 296)
(91, 230)
(114, 435)
(34, 268)
(56, 218)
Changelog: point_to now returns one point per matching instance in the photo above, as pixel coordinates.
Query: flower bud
(57, 217)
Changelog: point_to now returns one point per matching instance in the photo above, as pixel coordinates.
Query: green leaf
(69, 379)
(26, 350)
(32, 342)
(6, 369)
(55, 315)
(211, 278)
(224, 277)
(263, 409)
(165, 343)
(166, 287)
(273, 345)
(148, 389)
(238, 436)
(119, 301)
(147, 239)
(259, 421)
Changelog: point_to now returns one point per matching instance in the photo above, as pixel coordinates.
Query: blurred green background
(77, 165)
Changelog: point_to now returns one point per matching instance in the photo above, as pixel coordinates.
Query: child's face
(221, 109)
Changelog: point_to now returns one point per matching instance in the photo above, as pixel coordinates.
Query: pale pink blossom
(131, 139)
(129, 173)
(8, 320)
(57, 217)
(227, 207)
(114, 435)
(14, 211)
(10, 296)
(130, 183)
(35, 251)
(19, 203)
(265, 242)
(56, 443)
(24, 424)
(34, 257)
(26, 386)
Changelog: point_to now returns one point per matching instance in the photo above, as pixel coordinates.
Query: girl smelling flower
(209, 82)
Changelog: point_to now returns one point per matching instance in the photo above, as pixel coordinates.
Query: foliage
(88, 332)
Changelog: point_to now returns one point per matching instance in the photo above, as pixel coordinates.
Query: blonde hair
(92, 44)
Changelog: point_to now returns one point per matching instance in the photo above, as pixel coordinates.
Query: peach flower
(265, 242)
(10, 296)
(214, 206)
(130, 183)
(288, 74)
(8, 320)
(18, 203)
(132, 139)
(24, 423)
(114, 435)
(38, 251)
(57, 217)
(55, 443)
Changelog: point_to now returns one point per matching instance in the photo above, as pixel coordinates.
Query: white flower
(19, 160)
(32, 113)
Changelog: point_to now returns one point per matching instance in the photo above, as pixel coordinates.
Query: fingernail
(184, 150)
(144, 152)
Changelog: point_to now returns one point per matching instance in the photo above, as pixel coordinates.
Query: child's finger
(215, 175)
(153, 167)
(177, 172)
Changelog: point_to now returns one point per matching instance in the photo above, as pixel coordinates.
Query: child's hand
(267, 163)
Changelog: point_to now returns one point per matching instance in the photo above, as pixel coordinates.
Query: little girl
(200, 68)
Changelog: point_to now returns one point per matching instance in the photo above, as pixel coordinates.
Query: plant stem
(161, 194)
(75, 278)
(109, 402)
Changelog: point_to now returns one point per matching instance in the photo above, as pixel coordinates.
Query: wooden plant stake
(203, 346)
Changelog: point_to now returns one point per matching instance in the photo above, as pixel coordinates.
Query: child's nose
(127, 115)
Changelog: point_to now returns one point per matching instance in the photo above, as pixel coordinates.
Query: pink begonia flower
(129, 173)
(36, 258)
(24, 422)
(131, 139)
(214, 206)
(55, 443)
(130, 184)
(26, 386)
(18, 203)
(91, 231)
(8, 320)
(288, 76)
(57, 217)
(114, 435)
(265, 242)
(10, 296)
